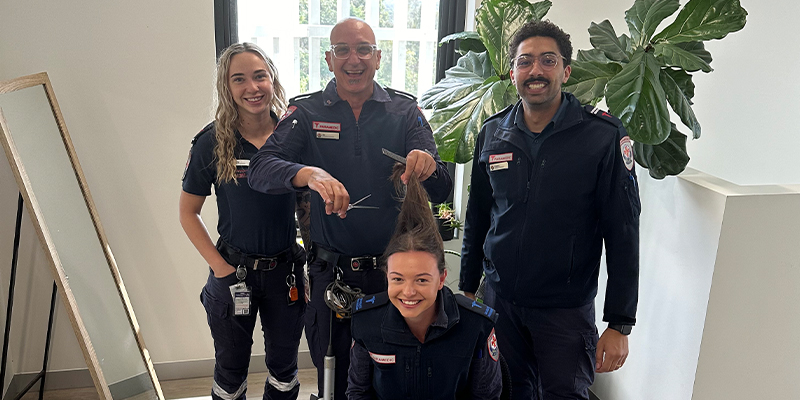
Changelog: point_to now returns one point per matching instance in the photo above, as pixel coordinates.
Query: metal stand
(41, 375)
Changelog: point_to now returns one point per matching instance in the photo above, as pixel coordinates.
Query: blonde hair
(226, 119)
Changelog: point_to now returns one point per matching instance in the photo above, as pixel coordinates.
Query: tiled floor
(190, 389)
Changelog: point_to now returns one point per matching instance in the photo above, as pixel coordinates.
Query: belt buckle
(272, 263)
(357, 263)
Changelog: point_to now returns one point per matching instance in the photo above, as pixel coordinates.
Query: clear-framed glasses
(364, 51)
(547, 62)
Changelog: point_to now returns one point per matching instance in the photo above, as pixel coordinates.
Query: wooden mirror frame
(36, 216)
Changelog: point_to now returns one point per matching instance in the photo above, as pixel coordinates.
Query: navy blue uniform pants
(281, 323)
(318, 319)
(550, 351)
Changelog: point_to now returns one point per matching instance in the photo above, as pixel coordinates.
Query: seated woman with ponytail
(419, 340)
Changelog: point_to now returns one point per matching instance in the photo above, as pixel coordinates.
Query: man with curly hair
(552, 183)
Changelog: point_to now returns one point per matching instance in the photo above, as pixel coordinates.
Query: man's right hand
(329, 188)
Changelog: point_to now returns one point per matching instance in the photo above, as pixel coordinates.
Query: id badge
(241, 299)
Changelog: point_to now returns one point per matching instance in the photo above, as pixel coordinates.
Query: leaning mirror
(50, 179)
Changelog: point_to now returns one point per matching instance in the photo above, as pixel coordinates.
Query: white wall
(134, 81)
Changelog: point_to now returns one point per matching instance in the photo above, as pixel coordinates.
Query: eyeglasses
(525, 62)
(363, 51)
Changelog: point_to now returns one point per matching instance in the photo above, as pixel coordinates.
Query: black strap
(256, 262)
(345, 262)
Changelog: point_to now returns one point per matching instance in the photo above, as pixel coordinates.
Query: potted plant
(447, 220)
(479, 84)
(637, 74)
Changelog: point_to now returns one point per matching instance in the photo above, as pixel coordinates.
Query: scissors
(355, 205)
(400, 159)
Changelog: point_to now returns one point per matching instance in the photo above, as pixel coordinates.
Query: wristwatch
(621, 328)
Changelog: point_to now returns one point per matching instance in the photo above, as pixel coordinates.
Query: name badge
(501, 157)
(382, 359)
(241, 299)
(498, 166)
(328, 135)
(242, 163)
(326, 126)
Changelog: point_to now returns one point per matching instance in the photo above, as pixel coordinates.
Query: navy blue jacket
(320, 130)
(537, 225)
(458, 359)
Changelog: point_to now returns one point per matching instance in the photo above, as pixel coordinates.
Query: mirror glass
(53, 186)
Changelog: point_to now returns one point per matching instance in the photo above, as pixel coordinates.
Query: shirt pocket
(507, 171)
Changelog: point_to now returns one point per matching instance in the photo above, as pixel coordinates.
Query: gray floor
(189, 389)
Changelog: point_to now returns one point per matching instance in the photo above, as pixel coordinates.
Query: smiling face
(414, 282)
(540, 89)
(250, 84)
(354, 76)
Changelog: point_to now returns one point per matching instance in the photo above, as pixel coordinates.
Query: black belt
(343, 261)
(255, 262)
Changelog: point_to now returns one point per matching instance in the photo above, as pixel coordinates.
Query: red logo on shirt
(501, 157)
(327, 126)
(491, 344)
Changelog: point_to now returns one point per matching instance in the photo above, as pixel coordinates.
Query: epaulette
(602, 115)
(370, 301)
(304, 96)
(478, 308)
(208, 128)
(500, 114)
(401, 93)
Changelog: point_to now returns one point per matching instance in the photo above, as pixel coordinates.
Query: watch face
(623, 329)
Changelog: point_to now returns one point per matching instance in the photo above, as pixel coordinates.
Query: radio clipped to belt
(340, 297)
(240, 293)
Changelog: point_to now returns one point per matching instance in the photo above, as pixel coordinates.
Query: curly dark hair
(416, 228)
(546, 29)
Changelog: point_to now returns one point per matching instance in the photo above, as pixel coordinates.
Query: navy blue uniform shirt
(320, 130)
(253, 222)
(537, 223)
(458, 359)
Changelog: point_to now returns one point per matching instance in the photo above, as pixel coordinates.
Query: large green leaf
(645, 15)
(457, 126)
(459, 35)
(603, 37)
(540, 9)
(690, 56)
(589, 78)
(667, 158)
(636, 97)
(497, 21)
(683, 80)
(468, 41)
(704, 20)
(592, 55)
(470, 72)
(681, 104)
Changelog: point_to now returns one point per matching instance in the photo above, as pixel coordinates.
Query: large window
(295, 34)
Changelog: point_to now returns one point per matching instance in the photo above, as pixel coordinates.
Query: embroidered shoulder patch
(626, 147)
(491, 345)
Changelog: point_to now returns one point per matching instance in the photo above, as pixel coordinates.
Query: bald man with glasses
(331, 142)
(552, 183)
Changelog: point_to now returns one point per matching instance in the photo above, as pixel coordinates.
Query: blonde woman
(256, 265)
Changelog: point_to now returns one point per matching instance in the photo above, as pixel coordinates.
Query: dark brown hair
(545, 29)
(416, 228)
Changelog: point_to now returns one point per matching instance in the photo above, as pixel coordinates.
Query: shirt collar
(331, 97)
(519, 116)
(441, 320)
